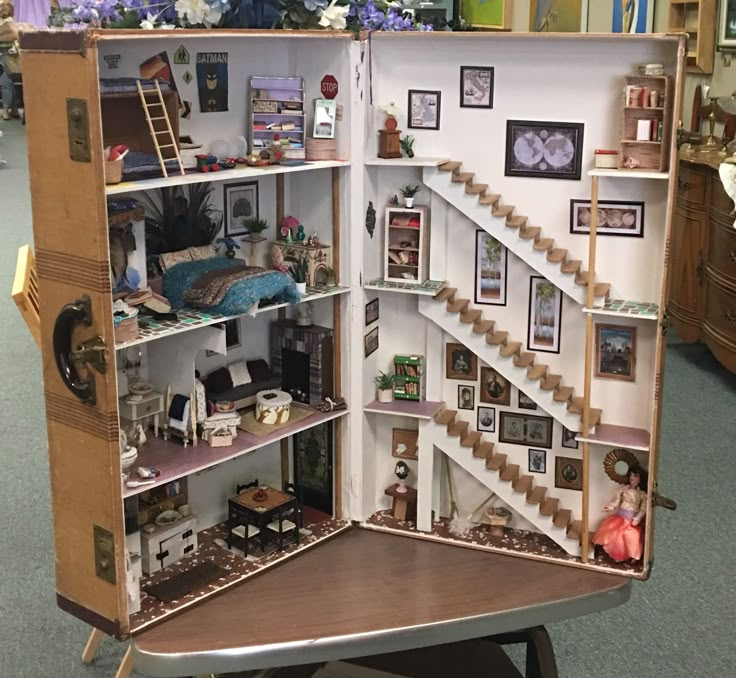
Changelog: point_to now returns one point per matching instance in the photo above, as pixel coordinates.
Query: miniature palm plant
(255, 226)
(407, 145)
(298, 271)
(408, 192)
(385, 383)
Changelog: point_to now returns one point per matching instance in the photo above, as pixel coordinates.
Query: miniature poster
(212, 81)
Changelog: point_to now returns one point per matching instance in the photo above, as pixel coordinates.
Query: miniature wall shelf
(423, 409)
(276, 113)
(697, 18)
(624, 173)
(406, 242)
(645, 128)
(428, 287)
(405, 162)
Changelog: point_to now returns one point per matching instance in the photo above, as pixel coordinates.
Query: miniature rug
(185, 582)
(249, 423)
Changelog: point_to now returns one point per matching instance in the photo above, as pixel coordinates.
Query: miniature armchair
(218, 421)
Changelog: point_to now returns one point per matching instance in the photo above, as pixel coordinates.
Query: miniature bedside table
(319, 257)
(150, 405)
(404, 506)
(245, 509)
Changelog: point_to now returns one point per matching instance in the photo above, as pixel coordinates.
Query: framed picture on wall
(404, 443)
(632, 16)
(615, 352)
(476, 86)
(313, 463)
(727, 25)
(495, 14)
(537, 461)
(562, 16)
(494, 389)
(526, 403)
(615, 217)
(545, 315)
(568, 438)
(424, 109)
(241, 202)
(491, 259)
(460, 363)
(465, 397)
(544, 150)
(487, 419)
(371, 312)
(569, 473)
(520, 429)
(370, 342)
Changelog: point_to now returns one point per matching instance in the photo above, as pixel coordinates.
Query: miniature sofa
(220, 387)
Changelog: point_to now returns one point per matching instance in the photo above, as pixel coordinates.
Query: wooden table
(244, 509)
(404, 506)
(365, 593)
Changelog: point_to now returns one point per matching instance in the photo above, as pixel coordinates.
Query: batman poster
(212, 81)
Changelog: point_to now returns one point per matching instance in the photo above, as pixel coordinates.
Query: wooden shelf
(628, 174)
(427, 288)
(639, 141)
(175, 461)
(618, 436)
(194, 177)
(406, 162)
(193, 319)
(698, 19)
(626, 309)
(422, 409)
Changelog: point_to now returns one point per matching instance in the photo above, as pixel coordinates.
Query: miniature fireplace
(302, 357)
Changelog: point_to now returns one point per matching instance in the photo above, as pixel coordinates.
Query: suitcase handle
(76, 313)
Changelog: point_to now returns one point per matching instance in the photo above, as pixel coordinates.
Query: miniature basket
(126, 329)
(221, 438)
(113, 171)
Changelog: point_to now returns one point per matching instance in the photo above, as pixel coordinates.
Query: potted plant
(385, 384)
(407, 145)
(254, 226)
(408, 193)
(330, 276)
(298, 271)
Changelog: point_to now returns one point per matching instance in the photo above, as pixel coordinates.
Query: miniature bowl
(140, 388)
(167, 517)
(225, 406)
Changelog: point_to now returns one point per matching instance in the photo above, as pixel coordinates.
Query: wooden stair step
(595, 416)
(602, 289)
(496, 338)
(551, 382)
(576, 529)
(549, 506)
(576, 407)
(556, 255)
(476, 189)
(497, 462)
(536, 496)
(502, 210)
(489, 199)
(450, 166)
(563, 394)
(523, 485)
(537, 371)
(511, 348)
(471, 439)
(525, 359)
(510, 473)
(471, 316)
(572, 266)
(462, 177)
(484, 451)
(530, 232)
(458, 428)
(517, 221)
(458, 305)
(562, 519)
(544, 244)
(445, 417)
(483, 326)
(445, 294)
(581, 278)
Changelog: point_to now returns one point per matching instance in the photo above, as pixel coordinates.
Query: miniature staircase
(477, 203)
(491, 344)
(489, 466)
(160, 113)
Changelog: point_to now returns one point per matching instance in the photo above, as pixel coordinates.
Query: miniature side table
(244, 509)
(405, 503)
(254, 241)
(150, 405)
(318, 258)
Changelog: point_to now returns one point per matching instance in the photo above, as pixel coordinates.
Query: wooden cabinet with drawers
(702, 297)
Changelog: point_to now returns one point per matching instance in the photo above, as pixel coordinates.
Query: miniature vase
(409, 202)
(301, 288)
(385, 396)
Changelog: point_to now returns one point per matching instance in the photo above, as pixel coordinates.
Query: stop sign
(328, 87)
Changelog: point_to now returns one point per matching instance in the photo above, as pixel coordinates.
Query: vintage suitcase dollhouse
(530, 307)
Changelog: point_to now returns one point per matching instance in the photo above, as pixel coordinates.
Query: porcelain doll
(622, 535)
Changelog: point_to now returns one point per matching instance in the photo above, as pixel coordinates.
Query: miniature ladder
(164, 115)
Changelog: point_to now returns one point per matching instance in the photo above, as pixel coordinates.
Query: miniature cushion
(170, 259)
(203, 252)
(239, 373)
(201, 400)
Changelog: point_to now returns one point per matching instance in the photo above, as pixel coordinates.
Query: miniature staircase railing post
(152, 128)
(514, 232)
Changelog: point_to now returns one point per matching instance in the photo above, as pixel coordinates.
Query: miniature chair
(219, 420)
(284, 524)
(290, 488)
(239, 489)
(240, 527)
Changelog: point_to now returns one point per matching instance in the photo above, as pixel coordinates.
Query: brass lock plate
(77, 118)
(104, 554)
(91, 351)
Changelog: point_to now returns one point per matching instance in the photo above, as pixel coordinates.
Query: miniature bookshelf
(697, 18)
(406, 255)
(651, 152)
(408, 384)
(277, 114)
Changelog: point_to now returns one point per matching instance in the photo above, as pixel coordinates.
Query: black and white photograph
(465, 397)
(371, 312)
(568, 438)
(424, 109)
(241, 203)
(537, 461)
(526, 403)
(487, 419)
(476, 86)
(551, 150)
(460, 363)
(615, 217)
(371, 342)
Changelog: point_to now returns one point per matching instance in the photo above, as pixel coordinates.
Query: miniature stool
(404, 505)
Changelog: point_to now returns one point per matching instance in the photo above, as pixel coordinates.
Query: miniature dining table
(259, 506)
(367, 593)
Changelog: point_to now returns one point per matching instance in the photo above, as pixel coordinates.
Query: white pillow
(239, 374)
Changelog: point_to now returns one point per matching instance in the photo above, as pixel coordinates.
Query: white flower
(212, 16)
(149, 23)
(193, 11)
(168, 27)
(334, 17)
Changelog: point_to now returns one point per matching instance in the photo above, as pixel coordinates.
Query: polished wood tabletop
(364, 593)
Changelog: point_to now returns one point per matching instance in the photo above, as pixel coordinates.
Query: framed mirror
(325, 113)
(617, 464)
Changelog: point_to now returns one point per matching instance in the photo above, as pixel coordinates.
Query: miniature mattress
(241, 295)
(118, 85)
